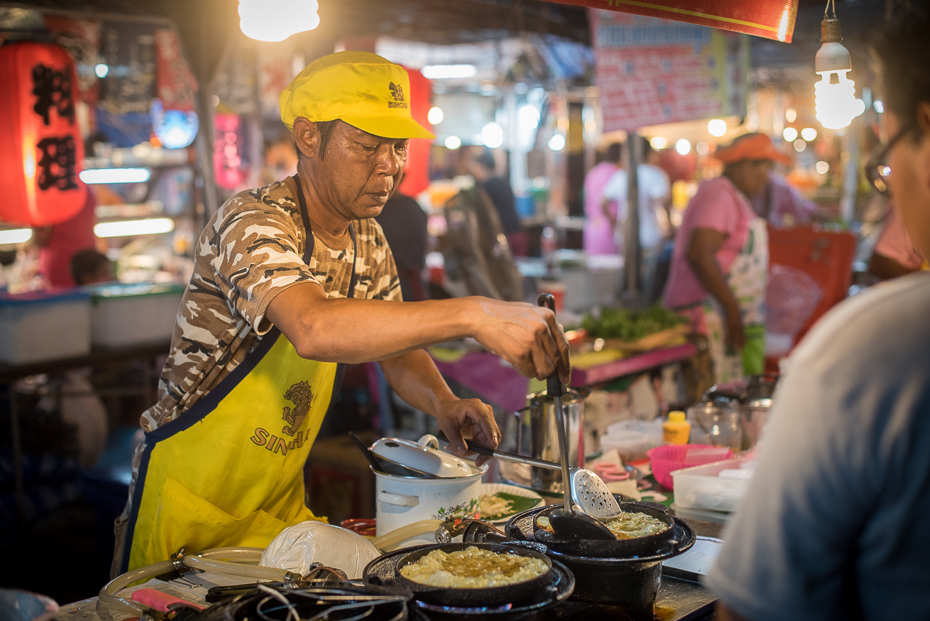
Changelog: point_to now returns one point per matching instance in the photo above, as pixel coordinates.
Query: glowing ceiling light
(93, 176)
(800, 145)
(717, 127)
(529, 117)
(809, 134)
(276, 20)
(835, 102)
(557, 142)
(822, 167)
(453, 142)
(658, 142)
(790, 134)
(101, 70)
(15, 236)
(126, 228)
(447, 72)
(791, 115)
(435, 115)
(492, 135)
(683, 146)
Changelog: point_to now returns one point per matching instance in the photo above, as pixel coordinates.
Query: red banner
(772, 19)
(175, 82)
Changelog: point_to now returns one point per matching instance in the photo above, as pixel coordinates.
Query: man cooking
(291, 279)
(832, 524)
(720, 261)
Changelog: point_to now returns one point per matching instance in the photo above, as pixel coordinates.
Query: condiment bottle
(676, 429)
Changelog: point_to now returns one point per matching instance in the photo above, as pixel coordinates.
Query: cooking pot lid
(425, 456)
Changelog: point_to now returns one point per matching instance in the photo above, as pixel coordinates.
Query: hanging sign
(81, 39)
(174, 81)
(416, 172)
(653, 71)
(772, 19)
(40, 143)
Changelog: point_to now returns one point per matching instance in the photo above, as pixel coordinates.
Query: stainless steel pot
(533, 432)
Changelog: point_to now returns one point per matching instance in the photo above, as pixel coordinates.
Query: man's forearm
(417, 381)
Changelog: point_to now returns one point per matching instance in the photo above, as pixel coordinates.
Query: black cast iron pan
(527, 592)
(668, 543)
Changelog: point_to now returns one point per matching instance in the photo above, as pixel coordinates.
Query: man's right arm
(353, 331)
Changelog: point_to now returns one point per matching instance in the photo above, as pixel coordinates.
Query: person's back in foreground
(830, 526)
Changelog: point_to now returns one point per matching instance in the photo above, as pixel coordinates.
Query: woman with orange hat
(720, 262)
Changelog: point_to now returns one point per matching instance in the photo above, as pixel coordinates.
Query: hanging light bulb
(835, 100)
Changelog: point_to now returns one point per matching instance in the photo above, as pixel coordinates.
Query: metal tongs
(566, 522)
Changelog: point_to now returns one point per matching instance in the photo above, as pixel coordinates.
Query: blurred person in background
(89, 267)
(719, 265)
(894, 253)
(600, 218)
(404, 224)
(655, 201)
(58, 243)
(483, 168)
(841, 486)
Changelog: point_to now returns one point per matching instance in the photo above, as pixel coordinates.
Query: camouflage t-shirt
(248, 253)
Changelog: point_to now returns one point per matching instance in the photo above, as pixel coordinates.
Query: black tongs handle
(553, 384)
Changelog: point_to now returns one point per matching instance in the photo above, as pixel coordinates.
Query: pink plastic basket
(665, 459)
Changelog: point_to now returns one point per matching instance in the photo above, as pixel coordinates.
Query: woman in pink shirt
(720, 261)
(599, 222)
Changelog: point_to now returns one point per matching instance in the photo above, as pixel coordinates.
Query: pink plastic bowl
(665, 459)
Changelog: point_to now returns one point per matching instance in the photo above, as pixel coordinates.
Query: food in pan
(472, 568)
(627, 525)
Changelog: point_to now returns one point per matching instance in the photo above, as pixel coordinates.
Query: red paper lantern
(40, 143)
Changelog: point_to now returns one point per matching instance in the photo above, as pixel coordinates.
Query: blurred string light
(658, 142)
(879, 106)
(835, 100)
(822, 167)
(791, 115)
(799, 145)
(276, 20)
(790, 134)
(809, 134)
(683, 146)
(702, 148)
(492, 135)
(453, 142)
(435, 115)
(126, 228)
(557, 142)
(15, 236)
(717, 127)
(101, 70)
(448, 72)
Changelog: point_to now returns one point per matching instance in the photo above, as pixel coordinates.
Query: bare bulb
(835, 102)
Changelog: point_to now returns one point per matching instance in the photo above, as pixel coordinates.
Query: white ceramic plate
(513, 490)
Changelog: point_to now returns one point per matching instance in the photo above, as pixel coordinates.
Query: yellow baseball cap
(359, 88)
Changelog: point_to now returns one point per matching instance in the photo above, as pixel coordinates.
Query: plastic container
(676, 430)
(44, 325)
(630, 445)
(702, 487)
(666, 459)
(133, 314)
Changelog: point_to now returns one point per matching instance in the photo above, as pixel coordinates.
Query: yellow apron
(229, 471)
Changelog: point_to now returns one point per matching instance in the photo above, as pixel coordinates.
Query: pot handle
(400, 500)
(428, 441)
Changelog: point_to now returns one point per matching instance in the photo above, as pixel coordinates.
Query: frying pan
(529, 591)
(651, 545)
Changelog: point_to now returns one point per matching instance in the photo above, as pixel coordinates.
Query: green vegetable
(631, 325)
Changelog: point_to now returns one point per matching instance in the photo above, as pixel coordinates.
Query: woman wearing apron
(720, 263)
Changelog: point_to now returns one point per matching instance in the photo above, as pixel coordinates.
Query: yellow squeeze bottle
(676, 430)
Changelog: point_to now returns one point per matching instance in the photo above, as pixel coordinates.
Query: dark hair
(326, 130)
(613, 152)
(900, 48)
(647, 146)
(86, 263)
(486, 159)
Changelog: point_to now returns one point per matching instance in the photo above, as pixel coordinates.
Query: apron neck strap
(308, 251)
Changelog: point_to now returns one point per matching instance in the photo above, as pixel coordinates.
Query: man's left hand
(462, 419)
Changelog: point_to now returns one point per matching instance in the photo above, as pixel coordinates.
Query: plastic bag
(297, 547)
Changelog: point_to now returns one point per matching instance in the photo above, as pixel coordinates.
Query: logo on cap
(397, 92)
